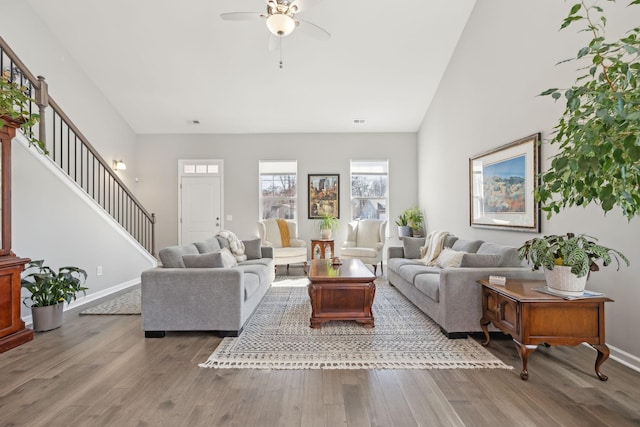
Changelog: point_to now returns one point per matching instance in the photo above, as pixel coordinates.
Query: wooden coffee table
(342, 292)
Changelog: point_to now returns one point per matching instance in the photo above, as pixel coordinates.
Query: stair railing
(73, 153)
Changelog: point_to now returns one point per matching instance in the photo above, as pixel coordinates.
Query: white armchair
(365, 240)
(295, 253)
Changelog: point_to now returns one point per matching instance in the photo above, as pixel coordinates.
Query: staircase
(77, 158)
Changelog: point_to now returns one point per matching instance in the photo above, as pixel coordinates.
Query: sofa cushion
(228, 260)
(449, 258)
(450, 240)
(412, 246)
(208, 246)
(470, 246)
(480, 260)
(210, 260)
(409, 271)
(252, 248)
(359, 252)
(171, 257)
(429, 284)
(508, 254)
(223, 242)
(396, 263)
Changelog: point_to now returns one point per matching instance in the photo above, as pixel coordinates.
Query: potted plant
(404, 230)
(567, 260)
(49, 291)
(598, 132)
(415, 220)
(15, 101)
(327, 223)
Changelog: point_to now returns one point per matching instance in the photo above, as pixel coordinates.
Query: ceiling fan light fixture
(280, 24)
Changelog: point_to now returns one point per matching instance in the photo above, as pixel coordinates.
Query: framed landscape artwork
(324, 195)
(501, 186)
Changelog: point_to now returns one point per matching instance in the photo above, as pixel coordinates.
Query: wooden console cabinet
(533, 318)
(12, 328)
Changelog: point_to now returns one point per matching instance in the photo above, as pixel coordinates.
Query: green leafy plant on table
(580, 252)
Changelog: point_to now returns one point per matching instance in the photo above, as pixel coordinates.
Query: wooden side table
(533, 318)
(322, 245)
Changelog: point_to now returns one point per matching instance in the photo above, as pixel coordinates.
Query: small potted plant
(327, 223)
(49, 291)
(415, 220)
(404, 230)
(15, 101)
(568, 259)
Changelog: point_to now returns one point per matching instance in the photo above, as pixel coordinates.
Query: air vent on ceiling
(359, 121)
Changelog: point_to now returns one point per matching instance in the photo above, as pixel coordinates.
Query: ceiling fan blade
(241, 16)
(313, 30)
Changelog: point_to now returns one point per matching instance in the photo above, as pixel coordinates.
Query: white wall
(487, 98)
(69, 86)
(315, 153)
(53, 220)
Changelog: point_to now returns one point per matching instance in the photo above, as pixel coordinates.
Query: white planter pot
(48, 317)
(563, 281)
(325, 233)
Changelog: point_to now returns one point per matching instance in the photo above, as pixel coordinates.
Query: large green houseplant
(576, 254)
(598, 135)
(49, 290)
(15, 103)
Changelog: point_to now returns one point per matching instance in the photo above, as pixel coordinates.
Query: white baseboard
(627, 359)
(28, 320)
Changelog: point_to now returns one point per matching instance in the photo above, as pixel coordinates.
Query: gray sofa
(196, 290)
(450, 296)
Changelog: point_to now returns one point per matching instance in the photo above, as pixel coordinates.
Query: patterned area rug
(128, 303)
(278, 336)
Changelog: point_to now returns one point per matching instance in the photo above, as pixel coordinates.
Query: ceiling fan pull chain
(281, 65)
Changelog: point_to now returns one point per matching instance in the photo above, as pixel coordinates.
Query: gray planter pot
(404, 231)
(48, 317)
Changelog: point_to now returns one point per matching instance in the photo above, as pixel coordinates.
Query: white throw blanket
(433, 246)
(235, 244)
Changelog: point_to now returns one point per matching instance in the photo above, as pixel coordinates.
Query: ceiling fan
(281, 19)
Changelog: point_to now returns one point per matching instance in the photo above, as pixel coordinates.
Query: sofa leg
(453, 335)
(375, 269)
(154, 334)
(381, 269)
(224, 334)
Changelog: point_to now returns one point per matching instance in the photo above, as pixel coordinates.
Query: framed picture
(501, 186)
(324, 195)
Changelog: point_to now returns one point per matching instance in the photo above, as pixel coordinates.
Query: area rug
(278, 336)
(128, 303)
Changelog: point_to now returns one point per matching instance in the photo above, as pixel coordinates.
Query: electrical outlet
(99, 270)
(229, 218)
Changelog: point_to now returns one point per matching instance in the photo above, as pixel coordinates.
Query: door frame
(181, 173)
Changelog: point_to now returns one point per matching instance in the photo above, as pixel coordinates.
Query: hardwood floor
(101, 371)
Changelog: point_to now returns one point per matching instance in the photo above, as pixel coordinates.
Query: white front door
(200, 207)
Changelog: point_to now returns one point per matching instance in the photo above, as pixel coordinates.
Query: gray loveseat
(450, 296)
(194, 291)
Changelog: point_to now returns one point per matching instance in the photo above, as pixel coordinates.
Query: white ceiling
(165, 63)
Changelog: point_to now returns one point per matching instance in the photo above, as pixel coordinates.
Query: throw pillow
(235, 246)
(470, 246)
(253, 248)
(228, 260)
(449, 258)
(480, 260)
(412, 247)
(210, 260)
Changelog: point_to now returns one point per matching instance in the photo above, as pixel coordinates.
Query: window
(369, 183)
(278, 189)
